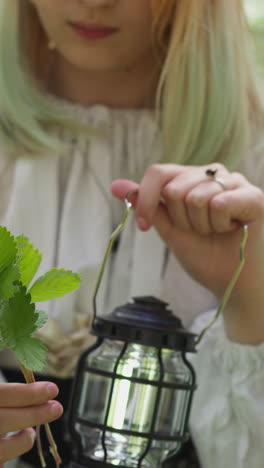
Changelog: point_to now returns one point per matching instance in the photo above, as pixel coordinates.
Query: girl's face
(98, 35)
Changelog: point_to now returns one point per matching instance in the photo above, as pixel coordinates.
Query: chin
(100, 60)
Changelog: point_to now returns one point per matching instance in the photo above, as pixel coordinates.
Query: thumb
(121, 187)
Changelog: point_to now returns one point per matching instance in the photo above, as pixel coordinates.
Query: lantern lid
(147, 321)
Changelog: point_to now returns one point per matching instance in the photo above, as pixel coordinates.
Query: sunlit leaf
(54, 283)
(29, 259)
(8, 250)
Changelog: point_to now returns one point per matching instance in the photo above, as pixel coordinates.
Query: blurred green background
(255, 13)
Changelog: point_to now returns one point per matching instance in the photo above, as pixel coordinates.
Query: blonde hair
(210, 89)
(26, 115)
(208, 98)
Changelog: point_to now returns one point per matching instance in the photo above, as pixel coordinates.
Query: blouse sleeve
(227, 418)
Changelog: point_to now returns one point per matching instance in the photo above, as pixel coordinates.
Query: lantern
(133, 389)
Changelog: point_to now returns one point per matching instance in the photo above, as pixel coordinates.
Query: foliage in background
(255, 12)
(258, 30)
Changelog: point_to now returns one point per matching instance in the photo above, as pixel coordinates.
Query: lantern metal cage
(133, 389)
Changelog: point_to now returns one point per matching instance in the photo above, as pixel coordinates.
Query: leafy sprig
(19, 318)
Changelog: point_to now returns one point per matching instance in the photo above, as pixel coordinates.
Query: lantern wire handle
(112, 239)
(227, 292)
(230, 286)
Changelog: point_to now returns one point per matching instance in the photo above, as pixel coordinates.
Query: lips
(93, 31)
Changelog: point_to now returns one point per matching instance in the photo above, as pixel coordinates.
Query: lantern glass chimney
(133, 403)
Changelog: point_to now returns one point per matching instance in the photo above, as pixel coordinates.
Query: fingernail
(55, 408)
(52, 390)
(142, 224)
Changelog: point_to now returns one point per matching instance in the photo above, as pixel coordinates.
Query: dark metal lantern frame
(148, 322)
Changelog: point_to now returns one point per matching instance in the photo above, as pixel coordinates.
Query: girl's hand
(200, 221)
(21, 407)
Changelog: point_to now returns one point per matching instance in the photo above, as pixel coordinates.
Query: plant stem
(40, 450)
(230, 285)
(53, 447)
(29, 378)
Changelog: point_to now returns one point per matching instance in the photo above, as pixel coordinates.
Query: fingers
(203, 204)
(190, 200)
(22, 395)
(186, 192)
(151, 191)
(15, 445)
(23, 406)
(121, 187)
(177, 187)
(14, 419)
(26, 405)
(245, 205)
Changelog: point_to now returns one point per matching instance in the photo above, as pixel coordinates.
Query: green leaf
(9, 282)
(29, 259)
(18, 318)
(8, 250)
(54, 283)
(31, 353)
(19, 262)
(42, 319)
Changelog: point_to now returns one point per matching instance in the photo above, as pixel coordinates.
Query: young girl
(157, 92)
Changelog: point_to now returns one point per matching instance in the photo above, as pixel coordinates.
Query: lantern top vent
(146, 321)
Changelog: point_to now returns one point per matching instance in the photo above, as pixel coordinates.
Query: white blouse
(63, 204)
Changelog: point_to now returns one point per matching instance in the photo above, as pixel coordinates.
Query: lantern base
(74, 465)
(94, 464)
